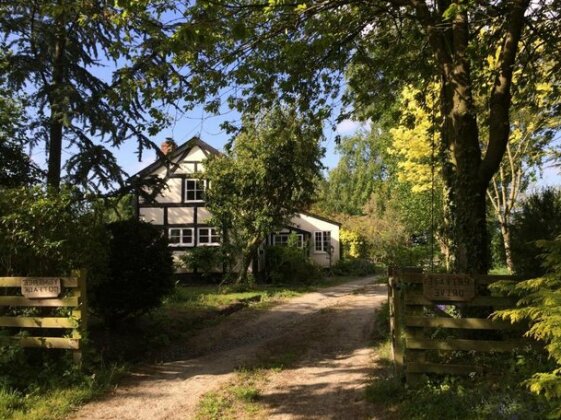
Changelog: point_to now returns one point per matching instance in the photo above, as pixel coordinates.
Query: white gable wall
(313, 224)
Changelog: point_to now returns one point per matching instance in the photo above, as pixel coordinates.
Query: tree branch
(500, 100)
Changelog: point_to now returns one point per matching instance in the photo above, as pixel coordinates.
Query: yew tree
(312, 53)
(95, 74)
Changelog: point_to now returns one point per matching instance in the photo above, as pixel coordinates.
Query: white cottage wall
(153, 215)
(313, 224)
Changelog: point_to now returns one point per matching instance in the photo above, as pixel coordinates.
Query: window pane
(194, 189)
(187, 236)
(204, 236)
(327, 241)
(318, 241)
(174, 236)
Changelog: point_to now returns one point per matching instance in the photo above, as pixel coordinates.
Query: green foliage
(540, 303)
(206, 260)
(353, 244)
(90, 71)
(140, 272)
(455, 397)
(36, 384)
(538, 219)
(361, 168)
(43, 234)
(16, 169)
(308, 54)
(353, 267)
(289, 265)
(268, 175)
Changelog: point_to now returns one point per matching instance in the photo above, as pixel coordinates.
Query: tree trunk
(56, 103)
(466, 173)
(472, 254)
(505, 232)
(247, 257)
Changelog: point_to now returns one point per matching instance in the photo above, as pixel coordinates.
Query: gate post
(395, 301)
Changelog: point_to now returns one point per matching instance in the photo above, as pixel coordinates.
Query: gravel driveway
(330, 329)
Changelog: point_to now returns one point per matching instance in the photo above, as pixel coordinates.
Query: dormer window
(195, 190)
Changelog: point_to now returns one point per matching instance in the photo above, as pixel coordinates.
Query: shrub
(289, 264)
(354, 267)
(539, 219)
(46, 234)
(540, 303)
(206, 260)
(353, 244)
(139, 274)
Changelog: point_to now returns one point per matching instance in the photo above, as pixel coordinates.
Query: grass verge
(453, 397)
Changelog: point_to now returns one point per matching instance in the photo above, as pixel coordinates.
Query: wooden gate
(57, 321)
(426, 323)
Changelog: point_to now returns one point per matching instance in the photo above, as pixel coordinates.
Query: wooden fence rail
(52, 331)
(423, 332)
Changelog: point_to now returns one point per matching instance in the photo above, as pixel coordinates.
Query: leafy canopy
(268, 175)
(96, 74)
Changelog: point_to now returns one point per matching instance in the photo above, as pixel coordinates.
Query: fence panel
(428, 321)
(46, 297)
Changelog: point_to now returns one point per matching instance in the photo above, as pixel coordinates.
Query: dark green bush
(289, 264)
(139, 273)
(539, 219)
(206, 260)
(354, 267)
(46, 234)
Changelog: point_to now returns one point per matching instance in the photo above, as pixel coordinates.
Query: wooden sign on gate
(449, 288)
(40, 287)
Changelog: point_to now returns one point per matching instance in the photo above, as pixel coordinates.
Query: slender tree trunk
(56, 102)
(505, 232)
(247, 257)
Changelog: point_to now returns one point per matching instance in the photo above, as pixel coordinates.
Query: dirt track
(328, 331)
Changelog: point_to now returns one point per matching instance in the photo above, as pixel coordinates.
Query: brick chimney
(168, 146)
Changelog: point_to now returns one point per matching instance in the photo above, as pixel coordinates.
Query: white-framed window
(322, 241)
(281, 239)
(195, 189)
(181, 237)
(208, 236)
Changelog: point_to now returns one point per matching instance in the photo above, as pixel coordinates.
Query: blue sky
(207, 127)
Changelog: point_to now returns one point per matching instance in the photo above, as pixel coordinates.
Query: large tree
(93, 71)
(360, 172)
(301, 52)
(267, 176)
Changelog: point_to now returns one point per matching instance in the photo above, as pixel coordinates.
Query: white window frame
(182, 236)
(284, 234)
(325, 241)
(212, 234)
(196, 190)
